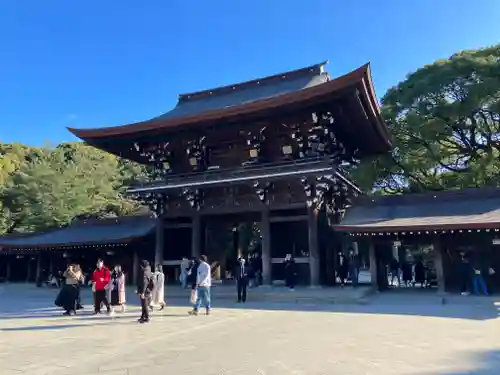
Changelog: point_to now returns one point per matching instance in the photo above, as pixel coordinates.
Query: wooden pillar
(438, 264)
(135, 268)
(373, 265)
(196, 236)
(265, 232)
(51, 264)
(159, 240)
(28, 271)
(7, 269)
(38, 267)
(313, 246)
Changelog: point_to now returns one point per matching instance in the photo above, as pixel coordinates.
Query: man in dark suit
(145, 286)
(241, 275)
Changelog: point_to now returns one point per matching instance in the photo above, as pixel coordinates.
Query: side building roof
(84, 233)
(469, 209)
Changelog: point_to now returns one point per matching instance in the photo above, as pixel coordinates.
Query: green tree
(445, 122)
(46, 188)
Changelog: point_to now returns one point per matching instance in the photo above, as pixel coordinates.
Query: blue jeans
(203, 297)
(478, 282)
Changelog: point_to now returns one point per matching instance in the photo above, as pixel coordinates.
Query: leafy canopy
(445, 122)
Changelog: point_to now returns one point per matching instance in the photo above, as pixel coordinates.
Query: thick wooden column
(135, 268)
(438, 264)
(51, 264)
(28, 271)
(7, 269)
(373, 265)
(159, 240)
(314, 261)
(265, 232)
(196, 236)
(38, 267)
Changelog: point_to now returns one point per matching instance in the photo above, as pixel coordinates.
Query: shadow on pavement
(485, 363)
(38, 304)
(52, 327)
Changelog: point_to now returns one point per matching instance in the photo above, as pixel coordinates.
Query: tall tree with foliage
(44, 188)
(445, 121)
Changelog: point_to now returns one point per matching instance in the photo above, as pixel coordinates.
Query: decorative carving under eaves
(196, 152)
(330, 194)
(263, 191)
(254, 142)
(156, 202)
(194, 197)
(157, 154)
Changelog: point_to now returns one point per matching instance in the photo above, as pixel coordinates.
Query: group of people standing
(109, 289)
(348, 268)
(474, 276)
(411, 273)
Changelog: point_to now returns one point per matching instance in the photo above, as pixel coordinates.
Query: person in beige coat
(158, 297)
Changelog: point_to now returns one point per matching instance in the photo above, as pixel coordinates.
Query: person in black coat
(145, 285)
(290, 271)
(420, 273)
(343, 269)
(406, 268)
(192, 273)
(241, 274)
(354, 266)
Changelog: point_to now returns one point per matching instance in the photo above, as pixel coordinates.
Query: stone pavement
(387, 336)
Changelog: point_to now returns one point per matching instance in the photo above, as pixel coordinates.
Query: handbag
(194, 296)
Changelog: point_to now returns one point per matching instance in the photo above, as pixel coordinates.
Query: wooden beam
(285, 219)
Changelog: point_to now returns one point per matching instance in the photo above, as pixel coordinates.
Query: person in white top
(203, 284)
(159, 289)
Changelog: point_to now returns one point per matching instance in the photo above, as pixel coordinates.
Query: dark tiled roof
(115, 230)
(465, 209)
(247, 92)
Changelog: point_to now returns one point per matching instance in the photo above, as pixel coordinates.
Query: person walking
(100, 280)
(395, 274)
(343, 269)
(69, 292)
(478, 279)
(354, 266)
(203, 284)
(145, 286)
(290, 271)
(241, 274)
(158, 298)
(118, 288)
(185, 264)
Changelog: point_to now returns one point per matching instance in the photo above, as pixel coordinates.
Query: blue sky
(103, 63)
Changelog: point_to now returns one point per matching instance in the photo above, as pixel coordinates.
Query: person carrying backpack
(145, 286)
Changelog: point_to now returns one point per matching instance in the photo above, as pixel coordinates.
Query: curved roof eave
(348, 80)
(372, 97)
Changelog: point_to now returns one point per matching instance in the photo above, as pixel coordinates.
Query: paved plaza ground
(392, 334)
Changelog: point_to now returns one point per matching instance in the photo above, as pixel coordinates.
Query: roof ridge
(481, 193)
(245, 84)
